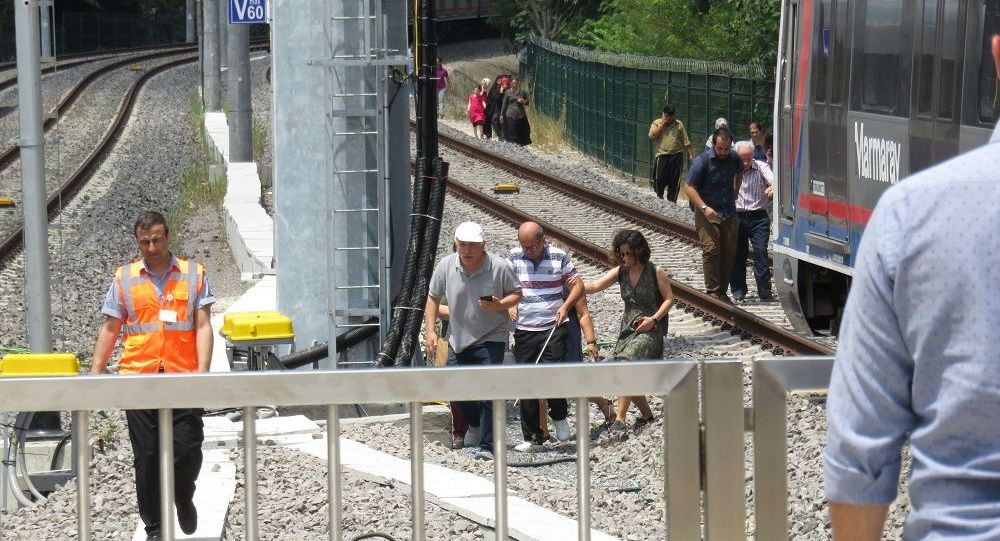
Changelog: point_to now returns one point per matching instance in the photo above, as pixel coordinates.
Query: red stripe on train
(835, 209)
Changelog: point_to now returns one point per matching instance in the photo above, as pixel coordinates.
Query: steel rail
(13, 241)
(13, 153)
(730, 317)
(624, 208)
(164, 50)
(89, 56)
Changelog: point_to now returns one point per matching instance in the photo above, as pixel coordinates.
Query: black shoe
(153, 537)
(618, 432)
(725, 298)
(766, 296)
(641, 423)
(738, 296)
(187, 516)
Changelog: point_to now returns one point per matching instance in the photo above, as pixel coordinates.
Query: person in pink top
(477, 111)
(443, 79)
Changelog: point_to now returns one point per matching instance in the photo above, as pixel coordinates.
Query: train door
(828, 185)
(788, 134)
(936, 96)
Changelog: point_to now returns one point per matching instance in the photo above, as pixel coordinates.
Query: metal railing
(773, 380)
(675, 381)
(703, 439)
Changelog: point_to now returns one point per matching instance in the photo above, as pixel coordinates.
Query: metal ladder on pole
(357, 125)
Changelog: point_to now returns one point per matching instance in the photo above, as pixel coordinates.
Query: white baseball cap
(469, 232)
(720, 122)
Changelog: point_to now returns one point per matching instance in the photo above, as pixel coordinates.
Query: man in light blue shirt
(918, 359)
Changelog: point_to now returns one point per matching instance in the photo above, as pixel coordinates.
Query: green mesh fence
(611, 99)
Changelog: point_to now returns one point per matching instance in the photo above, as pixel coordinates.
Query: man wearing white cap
(480, 288)
(719, 124)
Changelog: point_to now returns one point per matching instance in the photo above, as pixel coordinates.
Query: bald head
(529, 231)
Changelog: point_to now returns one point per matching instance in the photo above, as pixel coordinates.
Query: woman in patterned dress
(647, 295)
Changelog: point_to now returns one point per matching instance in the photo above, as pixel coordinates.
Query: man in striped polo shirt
(544, 271)
(755, 225)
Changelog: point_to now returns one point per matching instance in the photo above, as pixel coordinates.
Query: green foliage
(730, 30)
(550, 19)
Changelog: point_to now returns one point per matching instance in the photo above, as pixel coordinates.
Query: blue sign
(247, 11)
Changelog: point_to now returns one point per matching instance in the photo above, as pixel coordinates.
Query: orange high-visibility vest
(151, 342)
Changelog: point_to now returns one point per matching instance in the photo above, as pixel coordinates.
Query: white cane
(542, 352)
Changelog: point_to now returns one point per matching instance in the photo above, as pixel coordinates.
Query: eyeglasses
(538, 245)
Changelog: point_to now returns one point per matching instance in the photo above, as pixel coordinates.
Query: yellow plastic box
(261, 327)
(227, 320)
(39, 364)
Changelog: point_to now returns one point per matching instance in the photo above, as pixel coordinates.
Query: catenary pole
(210, 32)
(240, 115)
(189, 36)
(32, 144)
(224, 33)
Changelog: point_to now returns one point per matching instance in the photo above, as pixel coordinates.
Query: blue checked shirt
(919, 357)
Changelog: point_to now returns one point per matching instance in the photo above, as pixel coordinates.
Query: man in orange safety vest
(163, 304)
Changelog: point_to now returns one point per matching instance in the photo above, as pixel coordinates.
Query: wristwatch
(703, 207)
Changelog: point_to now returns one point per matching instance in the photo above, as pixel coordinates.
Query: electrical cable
(374, 536)
(549, 462)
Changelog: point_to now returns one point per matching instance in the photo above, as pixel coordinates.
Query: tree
(730, 30)
(549, 19)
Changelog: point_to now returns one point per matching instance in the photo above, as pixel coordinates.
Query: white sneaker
(472, 436)
(529, 447)
(563, 432)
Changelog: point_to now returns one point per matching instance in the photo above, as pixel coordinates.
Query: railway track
(11, 238)
(8, 70)
(585, 220)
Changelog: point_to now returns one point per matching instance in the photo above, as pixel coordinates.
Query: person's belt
(751, 212)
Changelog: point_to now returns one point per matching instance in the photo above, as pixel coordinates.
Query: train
(463, 19)
(867, 92)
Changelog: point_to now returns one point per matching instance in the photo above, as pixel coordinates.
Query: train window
(927, 47)
(989, 106)
(821, 51)
(840, 57)
(950, 36)
(882, 42)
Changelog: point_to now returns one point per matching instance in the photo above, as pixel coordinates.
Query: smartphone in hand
(486, 298)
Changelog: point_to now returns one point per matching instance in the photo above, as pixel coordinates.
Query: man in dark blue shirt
(712, 186)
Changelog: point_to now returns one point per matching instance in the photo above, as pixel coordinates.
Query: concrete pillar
(300, 150)
(45, 14)
(32, 144)
(189, 33)
(240, 116)
(213, 88)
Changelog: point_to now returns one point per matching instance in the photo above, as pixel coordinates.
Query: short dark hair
(768, 141)
(635, 241)
(148, 220)
(669, 110)
(724, 133)
(755, 123)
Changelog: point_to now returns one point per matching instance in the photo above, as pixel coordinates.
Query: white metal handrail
(675, 381)
(773, 380)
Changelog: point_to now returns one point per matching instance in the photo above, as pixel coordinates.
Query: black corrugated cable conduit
(319, 352)
(404, 301)
(432, 230)
(408, 307)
